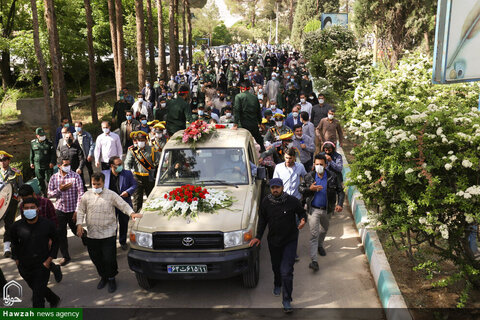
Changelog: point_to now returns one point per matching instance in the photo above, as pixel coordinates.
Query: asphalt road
(344, 281)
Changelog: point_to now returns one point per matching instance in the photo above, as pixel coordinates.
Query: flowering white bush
(420, 144)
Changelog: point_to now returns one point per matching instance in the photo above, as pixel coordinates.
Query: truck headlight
(143, 239)
(237, 238)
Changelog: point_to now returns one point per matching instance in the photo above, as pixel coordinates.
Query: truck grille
(187, 240)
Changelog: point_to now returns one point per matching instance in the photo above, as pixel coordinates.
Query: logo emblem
(188, 241)
(12, 292)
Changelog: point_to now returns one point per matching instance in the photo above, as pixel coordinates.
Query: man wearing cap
(42, 158)
(279, 129)
(158, 138)
(142, 161)
(13, 177)
(272, 87)
(278, 149)
(178, 112)
(279, 211)
(247, 113)
(126, 128)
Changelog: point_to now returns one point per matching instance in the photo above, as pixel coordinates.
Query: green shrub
(312, 25)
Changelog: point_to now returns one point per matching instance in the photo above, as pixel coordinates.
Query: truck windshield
(203, 166)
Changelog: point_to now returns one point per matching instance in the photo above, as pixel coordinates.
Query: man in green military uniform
(14, 177)
(278, 130)
(178, 112)
(247, 113)
(143, 162)
(42, 158)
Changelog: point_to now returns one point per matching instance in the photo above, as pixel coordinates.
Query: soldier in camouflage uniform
(143, 162)
(42, 159)
(14, 177)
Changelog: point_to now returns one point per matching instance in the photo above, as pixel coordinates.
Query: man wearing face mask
(85, 140)
(140, 107)
(305, 105)
(272, 87)
(290, 172)
(97, 211)
(305, 145)
(320, 110)
(67, 187)
(126, 128)
(14, 177)
(143, 124)
(34, 246)
(62, 141)
(142, 161)
(274, 108)
(42, 158)
(107, 145)
(159, 138)
(71, 150)
(178, 111)
(160, 112)
(278, 130)
(329, 129)
(294, 118)
(119, 109)
(122, 183)
(65, 124)
(227, 117)
(149, 93)
(323, 195)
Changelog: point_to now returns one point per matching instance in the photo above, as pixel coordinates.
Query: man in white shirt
(291, 173)
(140, 107)
(107, 145)
(97, 211)
(305, 105)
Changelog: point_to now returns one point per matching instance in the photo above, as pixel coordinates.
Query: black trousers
(3, 281)
(104, 165)
(103, 253)
(89, 167)
(37, 279)
(283, 259)
(9, 219)
(123, 226)
(64, 219)
(257, 136)
(144, 185)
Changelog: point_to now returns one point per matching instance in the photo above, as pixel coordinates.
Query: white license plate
(187, 268)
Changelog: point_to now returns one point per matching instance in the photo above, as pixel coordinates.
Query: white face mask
(295, 114)
(330, 116)
(228, 115)
(105, 130)
(42, 138)
(321, 101)
(302, 100)
(163, 105)
(158, 135)
(278, 123)
(299, 137)
(319, 168)
(273, 107)
(97, 190)
(140, 99)
(141, 144)
(66, 169)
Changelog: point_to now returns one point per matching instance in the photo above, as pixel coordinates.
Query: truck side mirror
(261, 173)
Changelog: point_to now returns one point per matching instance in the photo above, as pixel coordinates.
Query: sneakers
(277, 291)
(287, 307)
(65, 261)
(57, 272)
(314, 265)
(112, 285)
(102, 283)
(322, 252)
(7, 251)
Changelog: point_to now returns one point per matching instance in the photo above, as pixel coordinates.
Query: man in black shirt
(279, 211)
(33, 254)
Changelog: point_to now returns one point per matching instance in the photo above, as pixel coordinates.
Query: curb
(387, 288)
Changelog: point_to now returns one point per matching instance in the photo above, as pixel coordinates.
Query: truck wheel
(250, 278)
(143, 281)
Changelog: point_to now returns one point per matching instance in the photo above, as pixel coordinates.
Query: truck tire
(143, 281)
(251, 276)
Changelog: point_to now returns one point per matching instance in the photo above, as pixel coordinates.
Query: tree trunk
(5, 70)
(59, 90)
(91, 61)
(177, 36)
(171, 33)
(52, 118)
(141, 60)
(120, 73)
(184, 51)
(7, 26)
(427, 42)
(162, 64)
(291, 13)
(189, 34)
(113, 36)
(151, 44)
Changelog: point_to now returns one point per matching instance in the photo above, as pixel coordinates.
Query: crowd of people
(266, 90)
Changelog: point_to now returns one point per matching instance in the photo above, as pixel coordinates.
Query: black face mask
(222, 98)
(69, 141)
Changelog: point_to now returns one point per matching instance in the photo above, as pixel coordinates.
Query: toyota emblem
(188, 241)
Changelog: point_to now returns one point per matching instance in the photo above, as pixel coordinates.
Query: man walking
(65, 185)
(247, 113)
(108, 145)
(290, 172)
(122, 183)
(85, 140)
(321, 189)
(126, 128)
(42, 158)
(13, 177)
(178, 111)
(34, 245)
(305, 145)
(97, 211)
(279, 211)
